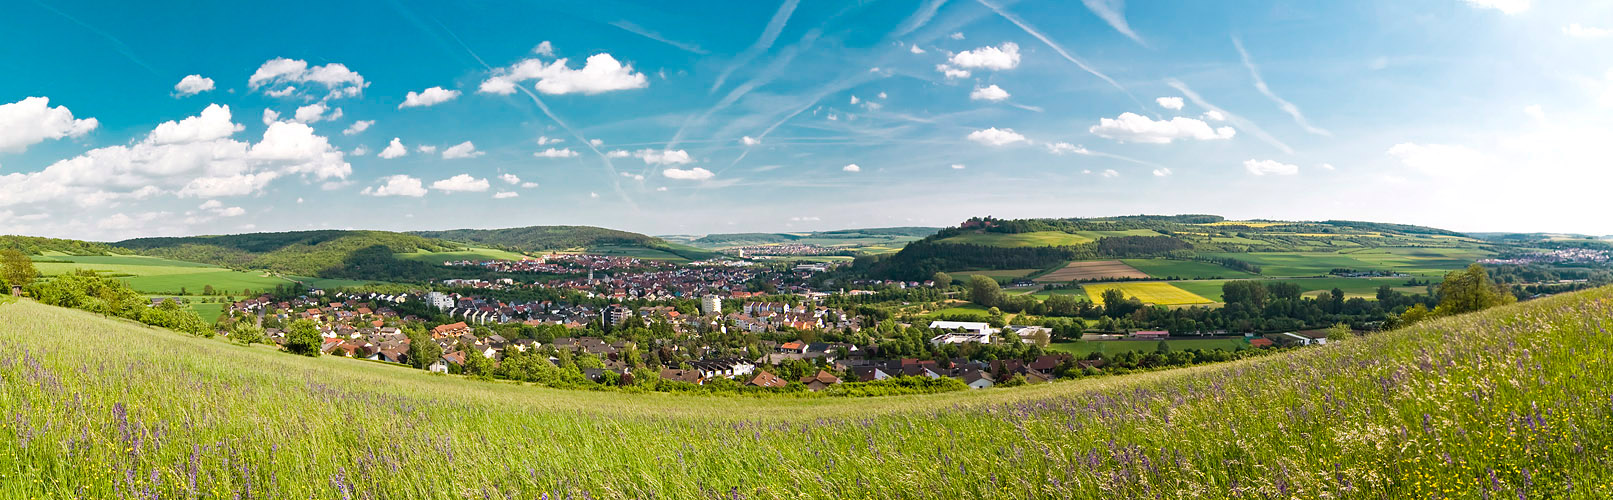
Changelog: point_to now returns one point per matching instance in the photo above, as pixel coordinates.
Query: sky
(129, 119)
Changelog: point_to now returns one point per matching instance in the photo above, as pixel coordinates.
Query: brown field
(1091, 270)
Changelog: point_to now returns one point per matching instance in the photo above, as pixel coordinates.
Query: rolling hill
(93, 412)
(871, 240)
(573, 238)
(324, 253)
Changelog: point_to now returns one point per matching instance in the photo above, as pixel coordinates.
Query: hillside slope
(552, 238)
(1512, 402)
(325, 253)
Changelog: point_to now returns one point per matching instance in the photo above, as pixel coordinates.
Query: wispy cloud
(640, 31)
(764, 42)
(1056, 48)
(1240, 121)
(919, 18)
(1114, 13)
(1260, 84)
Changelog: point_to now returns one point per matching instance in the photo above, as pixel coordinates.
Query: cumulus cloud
(1508, 7)
(1162, 172)
(693, 174)
(505, 194)
(529, 185)
(951, 72)
(316, 112)
(852, 168)
(1214, 116)
(32, 121)
(595, 142)
(544, 140)
(957, 166)
(601, 73)
(462, 183)
(193, 84)
(544, 48)
(956, 35)
(426, 148)
(335, 77)
(1269, 167)
(996, 137)
(618, 154)
(270, 116)
(510, 178)
(358, 126)
(361, 150)
(555, 153)
(989, 93)
(915, 49)
(1171, 103)
(396, 185)
(218, 208)
(663, 157)
(1132, 127)
(193, 157)
(428, 97)
(750, 141)
(1109, 173)
(461, 150)
(1001, 57)
(1062, 148)
(393, 150)
(630, 175)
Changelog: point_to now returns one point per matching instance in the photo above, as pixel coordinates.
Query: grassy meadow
(1186, 269)
(159, 276)
(1014, 240)
(472, 254)
(1419, 262)
(1110, 347)
(1508, 403)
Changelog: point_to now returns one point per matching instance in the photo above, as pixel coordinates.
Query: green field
(962, 309)
(1150, 292)
(1079, 294)
(1093, 235)
(994, 274)
(161, 276)
(1420, 262)
(1361, 287)
(101, 408)
(1081, 349)
(1014, 240)
(1185, 269)
(472, 254)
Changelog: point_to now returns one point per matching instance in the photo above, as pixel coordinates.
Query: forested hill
(34, 245)
(550, 238)
(841, 237)
(325, 253)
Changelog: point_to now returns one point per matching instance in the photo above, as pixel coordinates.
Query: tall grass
(1513, 402)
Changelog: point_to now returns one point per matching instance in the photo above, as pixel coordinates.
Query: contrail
(1260, 84)
(1235, 119)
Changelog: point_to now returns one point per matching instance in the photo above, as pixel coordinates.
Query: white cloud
(426, 148)
(1162, 172)
(996, 137)
(882, 95)
(505, 194)
(660, 189)
(358, 126)
(1535, 111)
(213, 123)
(193, 157)
(617, 154)
(529, 185)
(1508, 7)
(1214, 116)
(601, 73)
(192, 85)
(544, 48)
(991, 93)
(393, 150)
(805, 219)
(957, 166)
(594, 195)
(361, 150)
(1001, 57)
(316, 112)
(555, 153)
(461, 150)
(231, 212)
(852, 168)
(396, 185)
(1269, 167)
(1577, 31)
(630, 175)
(956, 35)
(461, 183)
(1440, 160)
(952, 72)
(288, 90)
(341, 81)
(1114, 13)
(428, 97)
(693, 174)
(544, 140)
(915, 49)
(663, 157)
(32, 121)
(1326, 166)
(1061, 148)
(595, 142)
(510, 178)
(1109, 173)
(854, 100)
(750, 141)
(218, 208)
(1171, 103)
(1132, 127)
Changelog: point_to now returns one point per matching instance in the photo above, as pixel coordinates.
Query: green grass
(962, 310)
(100, 408)
(472, 253)
(162, 276)
(1362, 287)
(995, 274)
(1079, 294)
(1111, 347)
(1015, 240)
(1420, 262)
(1093, 235)
(1185, 269)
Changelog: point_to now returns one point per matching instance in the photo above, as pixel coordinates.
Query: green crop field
(1185, 269)
(1150, 292)
(472, 254)
(995, 274)
(161, 276)
(1420, 262)
(100, 408)
(1361, 287)
(1093, 235)
(1078, 293)
(1081, 349)
(1013, 240)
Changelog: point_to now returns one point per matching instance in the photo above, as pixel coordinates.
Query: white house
(711, 304)
(440, 300)
(967, 331)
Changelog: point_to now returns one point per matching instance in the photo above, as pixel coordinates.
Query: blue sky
(698, 117)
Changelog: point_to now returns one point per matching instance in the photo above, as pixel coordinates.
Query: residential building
(710, 304)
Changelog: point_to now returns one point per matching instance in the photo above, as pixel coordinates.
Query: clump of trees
(112, 297)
